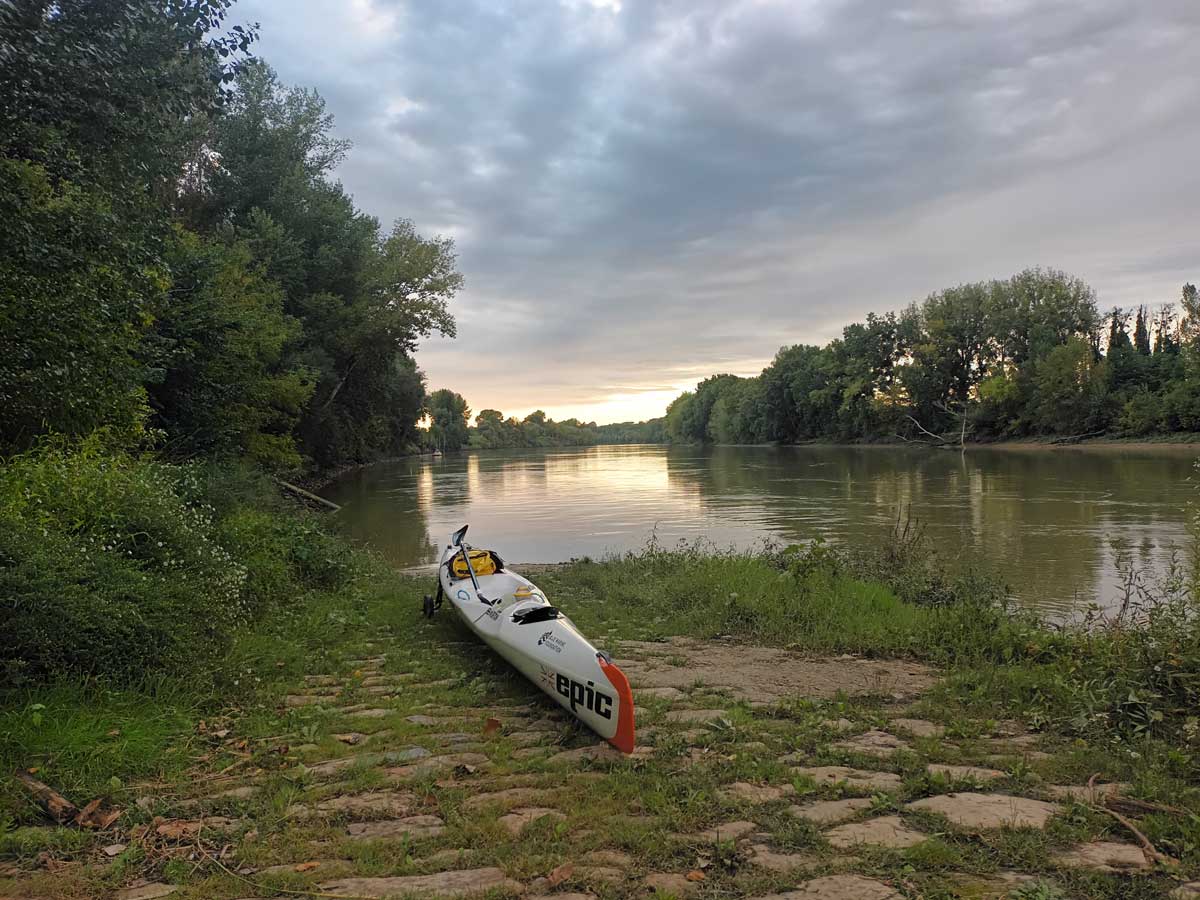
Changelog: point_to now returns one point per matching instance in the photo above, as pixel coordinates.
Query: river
(1060, 525)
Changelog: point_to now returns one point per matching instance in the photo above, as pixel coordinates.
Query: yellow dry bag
(484, 562)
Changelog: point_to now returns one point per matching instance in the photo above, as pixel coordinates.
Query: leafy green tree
(75, 299)
(222, 336)
(97, 104)
(1141, 332)
(363, 299)
(1070, 388)
(448, 417)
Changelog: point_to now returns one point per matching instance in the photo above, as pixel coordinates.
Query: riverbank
(353, 749)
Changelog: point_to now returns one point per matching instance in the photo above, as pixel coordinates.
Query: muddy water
(1059, 524)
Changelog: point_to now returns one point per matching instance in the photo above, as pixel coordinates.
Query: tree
(363, 299)
(448, 417)
(221, 336)
(1141, 333)
(97, 99)
(1070, 388)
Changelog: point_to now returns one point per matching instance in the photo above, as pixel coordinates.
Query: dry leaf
(175, 830)
(695, 875)
(465, 769)
(92, 816)
(560, 874)
(306, 866)
(116, 732)
(491, 727)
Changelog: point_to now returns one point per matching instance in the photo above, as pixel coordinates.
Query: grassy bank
(241, 733)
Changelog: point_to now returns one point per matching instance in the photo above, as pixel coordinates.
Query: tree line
(450, 428)
(1020, 357)
(179, 264)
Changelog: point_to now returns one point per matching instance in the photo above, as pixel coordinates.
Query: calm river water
(1054, 523)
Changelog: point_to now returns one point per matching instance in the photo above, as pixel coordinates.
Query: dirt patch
(766, 673)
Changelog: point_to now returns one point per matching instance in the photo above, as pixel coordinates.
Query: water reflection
(1053, 522)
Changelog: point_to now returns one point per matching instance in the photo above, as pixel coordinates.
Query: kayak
(513, 617)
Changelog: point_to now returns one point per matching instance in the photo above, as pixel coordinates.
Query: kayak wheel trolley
(430, 604)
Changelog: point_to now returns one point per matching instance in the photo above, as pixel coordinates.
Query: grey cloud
(678, 185)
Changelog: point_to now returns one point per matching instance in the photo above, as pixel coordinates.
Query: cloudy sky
(644, 193)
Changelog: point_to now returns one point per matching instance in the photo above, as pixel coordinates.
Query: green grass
(91, 741)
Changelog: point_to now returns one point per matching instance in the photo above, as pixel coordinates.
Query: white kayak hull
(517, 621)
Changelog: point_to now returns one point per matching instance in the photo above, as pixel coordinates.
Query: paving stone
(1186, 891)
(607, 874)
(387, 680)
(969, 810)
(614, 858)
(394, 803)
(366, 760)
(416, 827)
(745, 792)
(526, 738)
(661, 693)
(507, 797)
(696, 715)
(999, 886)
(964, 773)
(237, 793)
(568, 896)
(920, 727)
(831, 812)
(431, 721)
(872, 743)
(455, 737)
(1103, 856)
(295, 701)
(521, 818)
(147, 891)
(369, 712)
(594, 752)
(444, 859)
(437, 764)
(530, 752)
(730, 831)
(324, 680)
(838, 725)
(670, 883)
(764, 857)
(838, 887)
(855, 778)
(444, 884)
(886, 831)
(1084, 794)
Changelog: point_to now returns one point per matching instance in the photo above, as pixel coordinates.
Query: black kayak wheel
(428, 607)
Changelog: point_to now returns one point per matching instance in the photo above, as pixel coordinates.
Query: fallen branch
(1076, 438)
(1148, 849)
(307, 495)
(59, 808)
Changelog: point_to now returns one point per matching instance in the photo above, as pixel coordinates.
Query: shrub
(119, 566)
(104, 569)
